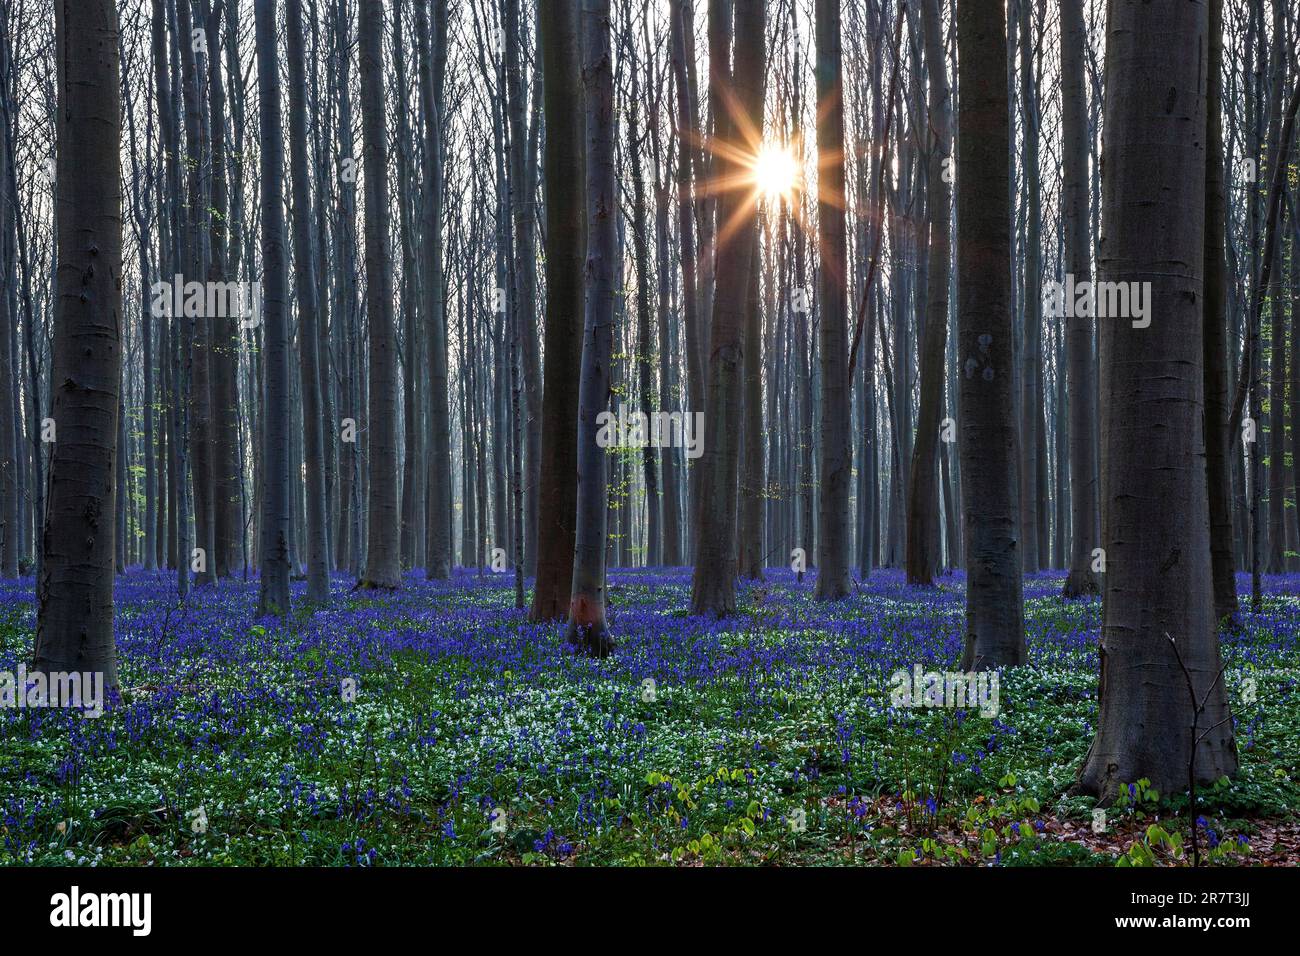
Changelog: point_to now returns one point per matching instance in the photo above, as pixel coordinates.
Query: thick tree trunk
(224, 354)
(432, 42)
(1158, 612)
(995, 634)
(383, 541)
(74, 623)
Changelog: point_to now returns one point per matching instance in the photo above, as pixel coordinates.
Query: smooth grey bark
(274, 519)
(1158, 628)
(833, 539)
(562, 165)
(432, 42)
(383, 540)
(414, 493)
(587, 628)
(196, 331)
(227, 478)
(995, 634)
(74, 621)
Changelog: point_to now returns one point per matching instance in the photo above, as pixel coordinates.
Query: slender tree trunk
(750, 564)
(274, 521)
(833, 544)
(313, 439)
(713, 585)
(922, 557)
(1031, 364)
(1078, 328)
(1219, 443)
(587, 628)
(10, 514)
(682, 32)
(523, 188)
(563, 171)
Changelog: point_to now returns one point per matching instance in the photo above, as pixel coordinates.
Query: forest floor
(475, 737)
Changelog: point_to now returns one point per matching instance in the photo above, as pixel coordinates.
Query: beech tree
(383, 568)
(562, 167)
(737, 126)
(587, 627)
(923, 557)
(832, 296)
(74, 621)
(995, 631)
(1163, 701)
(1078, 327)
(274, 520)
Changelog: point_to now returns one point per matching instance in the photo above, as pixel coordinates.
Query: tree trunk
(1078, 328)
(713, 585)
(383, 541)
(432, 42)
(74, 623)
(1158, 628)
(274, 522)
(995, 635)
(750, 554)
(313, 438)
(563, 170)
(1219, 443)
(587, 628)
(923, 559)
(832, 302)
